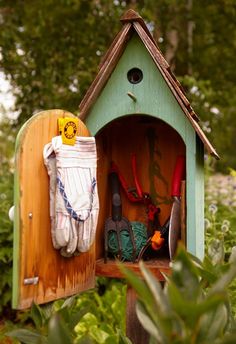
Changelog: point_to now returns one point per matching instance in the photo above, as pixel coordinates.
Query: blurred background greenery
(50, 52)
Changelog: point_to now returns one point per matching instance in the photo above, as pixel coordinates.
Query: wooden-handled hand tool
(116, 222)
(174, 227)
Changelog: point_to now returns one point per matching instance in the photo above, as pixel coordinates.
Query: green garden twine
(140, 238)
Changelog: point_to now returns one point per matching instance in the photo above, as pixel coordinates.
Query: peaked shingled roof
(132, 22)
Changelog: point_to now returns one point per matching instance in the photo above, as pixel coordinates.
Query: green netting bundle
(140, 237)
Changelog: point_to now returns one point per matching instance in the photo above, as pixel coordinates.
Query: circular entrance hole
(135, 75)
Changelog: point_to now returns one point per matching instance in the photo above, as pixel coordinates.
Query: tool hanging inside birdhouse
(137, 195)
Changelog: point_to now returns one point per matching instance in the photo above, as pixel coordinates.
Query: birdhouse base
(111, 269)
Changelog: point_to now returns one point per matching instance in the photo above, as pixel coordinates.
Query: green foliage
(194, 305)
(6, 200)
(220, 222)
(51, 49)
(220, 205)
(194, 36)
(111, 308)
(87, 318)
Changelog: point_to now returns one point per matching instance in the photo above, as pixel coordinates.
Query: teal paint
(154, 98)
(199, 198)
(195, 199)
(153, 95)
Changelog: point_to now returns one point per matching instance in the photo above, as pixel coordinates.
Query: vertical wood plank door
(40, 273)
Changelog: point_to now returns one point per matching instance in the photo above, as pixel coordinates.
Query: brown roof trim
(164, 68)
(110, 49)
(133, 22)
(175, 87)
(131, 16)
(105, 71)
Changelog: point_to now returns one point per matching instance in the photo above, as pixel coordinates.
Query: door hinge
(31, 280)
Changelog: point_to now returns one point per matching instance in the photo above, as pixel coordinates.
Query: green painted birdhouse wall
(135, 88)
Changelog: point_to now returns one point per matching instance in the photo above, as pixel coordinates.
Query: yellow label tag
(68, 128)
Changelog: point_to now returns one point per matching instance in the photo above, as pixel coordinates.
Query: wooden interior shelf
(111, 269)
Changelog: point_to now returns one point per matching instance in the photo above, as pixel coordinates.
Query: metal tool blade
(174, 229)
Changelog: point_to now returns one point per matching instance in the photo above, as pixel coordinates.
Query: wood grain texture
(105, 71)
(134, 330)
(131, 16)
(157, 266)
(163, 67)
(105, 58)
(156, 146)
(34, 255)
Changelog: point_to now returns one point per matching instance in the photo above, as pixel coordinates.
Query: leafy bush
(220, 211)
(194, 306)
(6, 227)
(87, 318)
(220, 220)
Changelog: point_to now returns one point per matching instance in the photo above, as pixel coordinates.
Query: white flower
(3, 196)
(212, 208)
(225, 228)
(194, 90)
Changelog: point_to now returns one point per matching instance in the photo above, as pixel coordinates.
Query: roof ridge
(130, 16)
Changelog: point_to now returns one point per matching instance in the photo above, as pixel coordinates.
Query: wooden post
(134, 330)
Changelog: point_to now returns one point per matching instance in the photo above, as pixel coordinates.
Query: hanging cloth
(74, 201)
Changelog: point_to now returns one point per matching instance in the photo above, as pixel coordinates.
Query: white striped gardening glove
(76, 199)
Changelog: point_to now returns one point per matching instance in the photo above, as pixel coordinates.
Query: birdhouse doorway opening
(142, 150)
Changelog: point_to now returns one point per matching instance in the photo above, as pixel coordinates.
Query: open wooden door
(40, 273)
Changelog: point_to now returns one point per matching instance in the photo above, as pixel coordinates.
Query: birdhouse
(143, 125)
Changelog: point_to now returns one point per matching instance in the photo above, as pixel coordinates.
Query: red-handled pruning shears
(136, 194)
